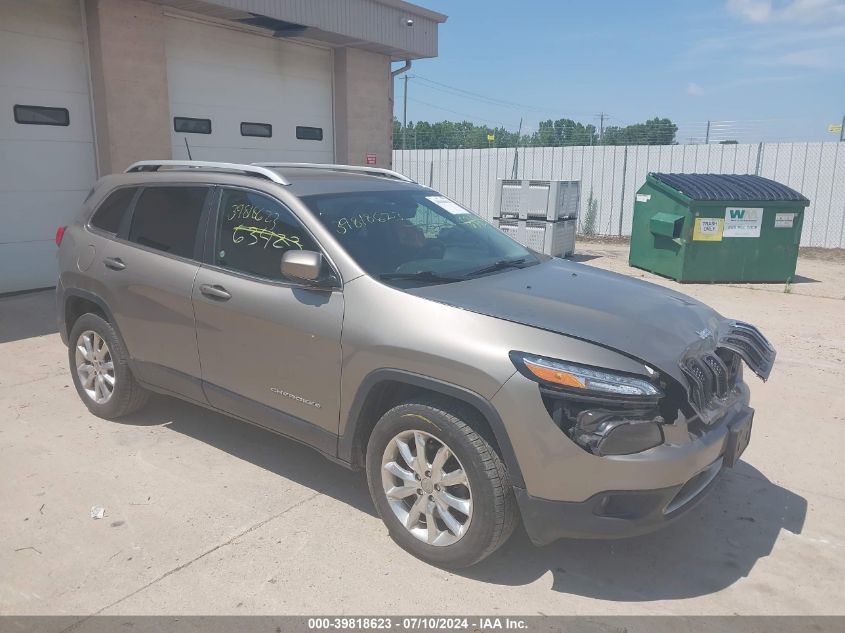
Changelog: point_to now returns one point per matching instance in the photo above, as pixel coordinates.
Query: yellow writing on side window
(344, 225)
(246, 211)
(279, 240)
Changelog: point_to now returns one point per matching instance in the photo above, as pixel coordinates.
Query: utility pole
(707, 135)
(602, 116)
(516, 152)
(405, 115)
(842, 130)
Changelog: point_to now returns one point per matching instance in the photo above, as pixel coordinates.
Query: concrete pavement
(208, 515)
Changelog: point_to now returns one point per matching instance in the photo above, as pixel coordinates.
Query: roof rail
(364, 169)
(251, 170)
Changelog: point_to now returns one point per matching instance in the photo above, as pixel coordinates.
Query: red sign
(371, 159)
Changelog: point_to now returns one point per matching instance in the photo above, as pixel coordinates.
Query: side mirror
(302, 265)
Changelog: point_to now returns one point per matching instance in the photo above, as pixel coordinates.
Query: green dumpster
(717, 228)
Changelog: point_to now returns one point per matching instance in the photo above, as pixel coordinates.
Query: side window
(253, 231)
(109, 215)
(167, 219)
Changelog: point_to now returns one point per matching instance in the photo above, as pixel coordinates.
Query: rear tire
(454, 525)
(99, 365)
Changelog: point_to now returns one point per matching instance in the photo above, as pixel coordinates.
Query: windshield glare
(398, 234)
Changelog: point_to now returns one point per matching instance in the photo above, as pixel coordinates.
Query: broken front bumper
(626, 513)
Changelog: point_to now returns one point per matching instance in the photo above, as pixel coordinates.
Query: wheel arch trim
(78, 293)
(347, 440)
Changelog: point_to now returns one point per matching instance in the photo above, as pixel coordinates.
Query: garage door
(240, 97)
(47, 160)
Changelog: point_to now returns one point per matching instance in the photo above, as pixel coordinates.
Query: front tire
(99, 364)
(453, 506)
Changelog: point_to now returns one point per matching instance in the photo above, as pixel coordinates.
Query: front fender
(348, 439)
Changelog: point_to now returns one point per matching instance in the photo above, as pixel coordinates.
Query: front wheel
(438, 484)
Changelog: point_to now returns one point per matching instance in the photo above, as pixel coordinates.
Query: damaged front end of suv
(678, 428)
(608, 413)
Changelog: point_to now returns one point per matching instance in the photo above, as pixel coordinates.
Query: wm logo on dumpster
(737, 214)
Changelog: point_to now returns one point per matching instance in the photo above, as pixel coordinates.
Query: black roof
(729, 187)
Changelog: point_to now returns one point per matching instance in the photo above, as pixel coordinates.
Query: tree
(452, 135)
(550, 133)
(563, 132)
(655, 131)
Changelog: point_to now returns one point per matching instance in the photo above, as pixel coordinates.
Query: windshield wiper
(423, 275)
(499, 265)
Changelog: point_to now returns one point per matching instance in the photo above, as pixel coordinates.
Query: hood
(649, 322)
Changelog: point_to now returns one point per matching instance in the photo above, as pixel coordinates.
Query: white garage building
(89, 86)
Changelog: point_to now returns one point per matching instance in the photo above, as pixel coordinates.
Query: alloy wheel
(426, 487)
(95, 367)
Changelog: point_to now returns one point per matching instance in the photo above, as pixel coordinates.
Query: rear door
(149, 272)
(270, 347)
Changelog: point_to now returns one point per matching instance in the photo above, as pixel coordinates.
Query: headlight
(617, 433)
(584, 379)
(604, 412)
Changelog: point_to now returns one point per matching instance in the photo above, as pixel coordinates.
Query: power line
(475, 95)
(747, 129)
(463, 114)
(468, 94)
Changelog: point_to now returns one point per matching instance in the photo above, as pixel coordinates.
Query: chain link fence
(610, 176)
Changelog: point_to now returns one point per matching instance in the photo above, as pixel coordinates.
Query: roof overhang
(395, 28)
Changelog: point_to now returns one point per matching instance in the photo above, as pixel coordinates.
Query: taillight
(60, 233)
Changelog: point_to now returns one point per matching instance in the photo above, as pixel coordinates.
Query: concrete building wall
(128, 62)
(129, 81)
(363, 107)
(111, 68)
(376, 25)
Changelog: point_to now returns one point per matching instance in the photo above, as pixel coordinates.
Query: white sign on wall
(742, 222)
(784, 220)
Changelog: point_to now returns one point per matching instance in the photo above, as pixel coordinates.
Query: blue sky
(766, 69)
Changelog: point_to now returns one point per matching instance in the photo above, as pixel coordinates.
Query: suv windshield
(416, 236)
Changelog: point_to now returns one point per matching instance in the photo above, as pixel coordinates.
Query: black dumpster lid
(729, 187)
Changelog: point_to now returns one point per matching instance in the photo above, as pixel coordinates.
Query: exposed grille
(747, 341)
(710, 380)
(720, 374)
(712, 376)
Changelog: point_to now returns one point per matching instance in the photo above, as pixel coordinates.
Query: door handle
(215, 292)
(115, 263)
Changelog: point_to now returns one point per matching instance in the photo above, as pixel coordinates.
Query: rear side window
(167, 219)
(112, 210)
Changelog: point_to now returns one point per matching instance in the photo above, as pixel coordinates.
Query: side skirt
(246, 410)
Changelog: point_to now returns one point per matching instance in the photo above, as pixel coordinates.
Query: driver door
(269, 347)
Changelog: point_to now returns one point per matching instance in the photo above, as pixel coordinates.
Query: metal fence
(610, 176)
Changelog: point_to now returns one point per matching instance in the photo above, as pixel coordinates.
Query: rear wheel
(438, 484)
(100, 369)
